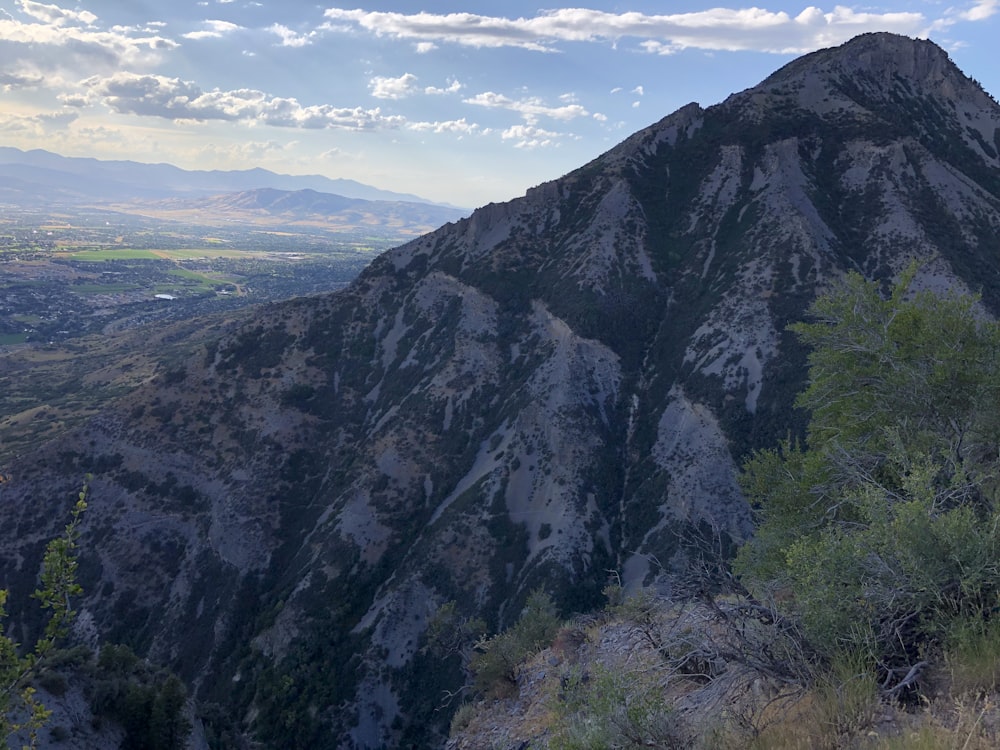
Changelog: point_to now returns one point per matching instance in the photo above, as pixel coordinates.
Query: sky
(465, 104)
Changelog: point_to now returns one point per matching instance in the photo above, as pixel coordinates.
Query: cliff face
(556, 387)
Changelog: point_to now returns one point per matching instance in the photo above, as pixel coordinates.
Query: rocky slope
(553, 388)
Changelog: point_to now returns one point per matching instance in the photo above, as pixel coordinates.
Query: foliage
(449, 633)
(494, 664)
(884, 530)
(147, 702)
(972, 655)
(613, 708)
(21, 713)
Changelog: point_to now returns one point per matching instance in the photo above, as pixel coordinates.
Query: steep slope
(553, 388)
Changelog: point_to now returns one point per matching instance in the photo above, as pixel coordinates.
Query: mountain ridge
(552, 388)
(127, 179)
(306, 207)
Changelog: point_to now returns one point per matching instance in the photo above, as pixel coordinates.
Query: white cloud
(453, 88)
(424, 47)
(37, 125)
(175, 99)
(529, 136)
(213, 30)
(531, 109)
(462, 127)
(463, 28)
(638, 91)
(55, 15)
(290, 38)
(53, 40)
(981, 11)
(714, 29)
(393, 88)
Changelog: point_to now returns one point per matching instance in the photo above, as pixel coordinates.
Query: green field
(114, 254)
(12, 338)
(129, 253)
(206, 252)
(187, 275)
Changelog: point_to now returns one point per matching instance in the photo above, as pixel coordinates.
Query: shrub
(613, 708)
(884, 530)
(494, 665)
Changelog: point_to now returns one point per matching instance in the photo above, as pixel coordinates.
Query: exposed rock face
(553, 388)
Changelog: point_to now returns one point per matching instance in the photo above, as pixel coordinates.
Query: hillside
(552, 389)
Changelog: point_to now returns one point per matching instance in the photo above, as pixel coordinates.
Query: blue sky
(460, 103)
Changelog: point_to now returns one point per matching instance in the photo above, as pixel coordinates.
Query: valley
(94, 300)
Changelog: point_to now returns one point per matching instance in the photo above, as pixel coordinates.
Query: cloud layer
(720, 29)
(307, 82)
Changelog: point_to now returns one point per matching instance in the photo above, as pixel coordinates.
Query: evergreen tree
(20, 711)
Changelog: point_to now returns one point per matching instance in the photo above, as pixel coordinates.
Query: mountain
(289, 208)
(41, 176)
(550, 390)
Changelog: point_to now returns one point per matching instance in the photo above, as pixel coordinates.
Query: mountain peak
(889, 85)
(879, 55)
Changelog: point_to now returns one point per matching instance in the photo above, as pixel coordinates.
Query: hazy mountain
(553, 388)
(38, 175)
(304, 208)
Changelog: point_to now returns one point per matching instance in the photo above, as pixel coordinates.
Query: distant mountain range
(298, 209)
(39, 176)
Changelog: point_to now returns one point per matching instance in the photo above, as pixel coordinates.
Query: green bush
(883, 532)
(495, 662)
(614, 708)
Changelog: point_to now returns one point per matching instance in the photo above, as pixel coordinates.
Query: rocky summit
(554, 390)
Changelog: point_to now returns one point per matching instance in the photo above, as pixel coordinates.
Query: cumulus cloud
(453, 88)
(175, 99)
(979, 12)
(213, 30)
(462, 28)
(529, 136)
(714, 29)
(35, 125)
(55, 15)
(531, 109)
(462, 127)
(290, 38)
(393, 88)
(54, 39)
